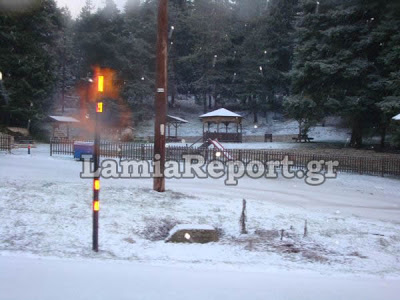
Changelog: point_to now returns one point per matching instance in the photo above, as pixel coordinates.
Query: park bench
(303, 137)
(268, 137)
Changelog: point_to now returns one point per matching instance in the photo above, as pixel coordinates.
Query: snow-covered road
(24, 278)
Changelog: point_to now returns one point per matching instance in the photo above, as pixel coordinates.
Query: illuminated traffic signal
(100, 82)
(96, 184)
(96, 155)
(96, 206)
(99, 107)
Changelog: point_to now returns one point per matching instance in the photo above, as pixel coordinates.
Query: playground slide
(218, 145)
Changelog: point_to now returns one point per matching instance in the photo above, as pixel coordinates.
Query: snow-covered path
(48, 279)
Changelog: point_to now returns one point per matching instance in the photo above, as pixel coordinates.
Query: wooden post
(9, 144)
(243, 218)
(161, 97)
(142, 152)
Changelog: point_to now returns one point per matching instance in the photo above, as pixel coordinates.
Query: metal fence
(370, 165)
(380, 165)
(5, 143)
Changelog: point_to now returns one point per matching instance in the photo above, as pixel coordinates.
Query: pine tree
(336, 60)
(387, 84)
(201, 63)
(28, 61)
(266, 55)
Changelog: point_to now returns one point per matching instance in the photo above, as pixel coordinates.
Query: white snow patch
(222, 112)
(24, 278)
(181, 227)
(64, 119)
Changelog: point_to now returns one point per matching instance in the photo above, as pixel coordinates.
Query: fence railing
(382, 166)
(5, 143)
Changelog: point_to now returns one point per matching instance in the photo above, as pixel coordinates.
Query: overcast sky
(75, 6)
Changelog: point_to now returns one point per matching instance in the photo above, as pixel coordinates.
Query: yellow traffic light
(100, 82)
(96, 205)
(96, 184)
(99, 107)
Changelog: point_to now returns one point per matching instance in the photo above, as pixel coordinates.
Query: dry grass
(158, 229)
(291, 245)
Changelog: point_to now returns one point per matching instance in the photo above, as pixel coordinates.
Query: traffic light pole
(96, 184)
(160, 103)
(96, 161)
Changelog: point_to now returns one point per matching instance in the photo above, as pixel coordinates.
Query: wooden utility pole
(63, 76)
(160, 103)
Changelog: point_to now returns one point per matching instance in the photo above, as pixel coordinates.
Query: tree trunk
(383, 137)
(300, 126)
(204, 103)
(356, 135)
(173, 95)
(209, 101)
(255, 114)
(254, 105)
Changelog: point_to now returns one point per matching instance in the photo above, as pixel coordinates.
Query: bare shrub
(129, 240)
(219, 231)
(158, 229)
(305, 229)
(250, 245)
(314, 256)
(267, 234)
(288, 248)
(357, 254)
(384, 243)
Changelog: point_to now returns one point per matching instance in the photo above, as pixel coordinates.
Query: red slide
(218, 145)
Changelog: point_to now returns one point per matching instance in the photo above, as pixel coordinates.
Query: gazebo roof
(63, 119)
(397, 118)
(19, 131)
(222, 112)
(176, 119)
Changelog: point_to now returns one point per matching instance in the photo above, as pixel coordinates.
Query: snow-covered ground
(45, 211)
(49, 279)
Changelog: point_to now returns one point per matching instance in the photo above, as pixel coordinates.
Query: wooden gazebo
(224, 117)
(61, 125)
(174, 122)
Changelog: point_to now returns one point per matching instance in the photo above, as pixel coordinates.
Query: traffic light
(96, 184)
(99, 107)
(100, 84)
(96, 206)
(96, 156)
